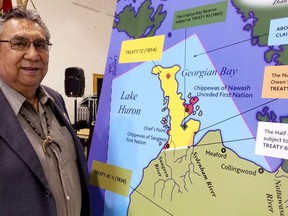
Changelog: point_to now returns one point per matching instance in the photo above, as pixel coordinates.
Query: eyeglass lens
(22, 44)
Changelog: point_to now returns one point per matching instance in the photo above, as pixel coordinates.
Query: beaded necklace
(47, 140)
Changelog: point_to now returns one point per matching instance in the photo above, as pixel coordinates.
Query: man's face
(22, 70)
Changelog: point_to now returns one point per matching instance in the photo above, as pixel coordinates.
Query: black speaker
(74, 82)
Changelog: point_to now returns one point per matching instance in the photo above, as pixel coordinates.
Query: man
(42, 165)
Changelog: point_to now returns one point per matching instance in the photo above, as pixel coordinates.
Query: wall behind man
(80, 38)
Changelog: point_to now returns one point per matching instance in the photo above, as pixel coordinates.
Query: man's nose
(32, 52)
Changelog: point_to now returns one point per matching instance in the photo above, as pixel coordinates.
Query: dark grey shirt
(60, 167)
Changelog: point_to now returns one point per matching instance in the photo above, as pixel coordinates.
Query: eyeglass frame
(28, 44)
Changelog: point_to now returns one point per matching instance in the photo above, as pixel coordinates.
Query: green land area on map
(206, 179)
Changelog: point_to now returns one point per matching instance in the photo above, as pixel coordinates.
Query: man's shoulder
(51, 91)
(54, 94)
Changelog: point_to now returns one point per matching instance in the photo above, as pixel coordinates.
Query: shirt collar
(16, 99)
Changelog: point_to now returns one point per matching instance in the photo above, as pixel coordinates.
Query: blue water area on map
(219, 113)
(123, 151)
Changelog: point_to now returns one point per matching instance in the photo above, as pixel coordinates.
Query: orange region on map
(275, 84)
(180, 135)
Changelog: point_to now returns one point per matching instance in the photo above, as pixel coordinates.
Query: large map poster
(193, 110)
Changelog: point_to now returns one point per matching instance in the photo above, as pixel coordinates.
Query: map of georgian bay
(186, 125)
(206, 173)
(182, 129)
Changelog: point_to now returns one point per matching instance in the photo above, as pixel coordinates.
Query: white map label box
(272, 140)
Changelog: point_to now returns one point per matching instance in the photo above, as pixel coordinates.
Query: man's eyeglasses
(23, 44)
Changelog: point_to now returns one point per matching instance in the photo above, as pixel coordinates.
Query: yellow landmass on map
(208, 180)
(180, 135)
